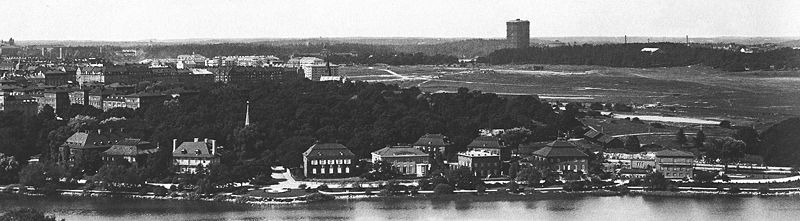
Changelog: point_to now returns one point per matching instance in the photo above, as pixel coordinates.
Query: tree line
(631, 55)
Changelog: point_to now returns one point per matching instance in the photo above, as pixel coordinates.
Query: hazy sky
(171, 19)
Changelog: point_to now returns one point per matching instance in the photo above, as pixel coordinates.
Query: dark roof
(486, 142)
(673, 153)
(593, 134)
(130, 147)
(437, 140)
(193, 149)
(91, 140)
(328, 149)
(560, 148)
(606, 139)
(399, 151)
(634, 171)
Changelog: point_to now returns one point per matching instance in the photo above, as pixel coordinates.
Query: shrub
(143, 191)
(160, 191)
(302, 186)
(512, 187)
(734, 190)
(383, 192)
(443, 189)
(322, 187)
(481, 189)
(763, 190)
(241, 191)
(319, 197)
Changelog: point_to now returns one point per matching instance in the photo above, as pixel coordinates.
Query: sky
(120, 20)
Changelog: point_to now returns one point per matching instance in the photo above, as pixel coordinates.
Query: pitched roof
(486, 142)
(131, 147)
(193, 149)
(328, 149)
(432, 140)
(593, 134)
(673, 153)
(91, 140)
(560, 148)
(399, 151)
(607, 139)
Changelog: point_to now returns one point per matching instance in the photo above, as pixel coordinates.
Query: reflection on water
(578, 208)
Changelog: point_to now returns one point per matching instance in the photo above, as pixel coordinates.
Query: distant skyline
(172, 19)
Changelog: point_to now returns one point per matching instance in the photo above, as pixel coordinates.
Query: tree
(656, 181)
(443, 189)
(704, 177)
(529, 175)
(381, 171)
(632, 144)
(699, 139)
(40, 174)
(26, 214)
(117, 175)
(680, 137)
(9, 169)
(596, 106)
(462, 178)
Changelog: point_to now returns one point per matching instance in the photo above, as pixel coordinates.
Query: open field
(757, 98)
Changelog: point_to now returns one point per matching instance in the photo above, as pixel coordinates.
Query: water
(571, 208)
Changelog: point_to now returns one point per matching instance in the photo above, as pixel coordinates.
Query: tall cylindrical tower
(518, 33)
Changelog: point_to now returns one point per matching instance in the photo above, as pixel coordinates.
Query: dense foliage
(668, 55)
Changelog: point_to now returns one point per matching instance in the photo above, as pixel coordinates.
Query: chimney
(174, 144)
(213, 147)
(196, 139)
(206, 140)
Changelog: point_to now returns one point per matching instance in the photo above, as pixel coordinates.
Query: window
(314, 171)
(323, 162)
(339, 169)
(346, 161)
(347, 169)
(313, 162)
(338, 161)
(331, 170)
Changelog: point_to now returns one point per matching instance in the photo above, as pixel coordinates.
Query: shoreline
(486, 197)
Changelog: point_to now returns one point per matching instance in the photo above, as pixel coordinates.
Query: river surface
(570, 208)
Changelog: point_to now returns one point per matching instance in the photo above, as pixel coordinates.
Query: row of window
(677, 168)
(325, 162)
(330, 170)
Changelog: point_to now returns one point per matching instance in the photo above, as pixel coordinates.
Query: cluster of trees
(287, 117)
(630, 55)
(395, 59)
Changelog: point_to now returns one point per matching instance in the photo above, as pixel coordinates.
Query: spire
(247, 115)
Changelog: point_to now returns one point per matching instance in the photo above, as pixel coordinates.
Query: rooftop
(560, 148)
(327, 150)
(193, 149)
(486, 142)
(673, 153)
(432, 140)
(399, 151)
(131, 147)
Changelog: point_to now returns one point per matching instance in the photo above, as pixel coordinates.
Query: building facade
(132, 151)
(328, 160)
(191, 155)
(491, 144)
(483, 164)
(405, 159)
(560, 155)
(675, 164)
(434, 145)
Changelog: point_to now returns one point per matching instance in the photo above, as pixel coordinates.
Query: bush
(160, 191)
(481, 189)
(302, 186)
(512, 187)
(143, 191)
(319, 197)
(763, 190)
(443, 189)
(734, 190)
(48, 189)
(241, 191)
(322, 187)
